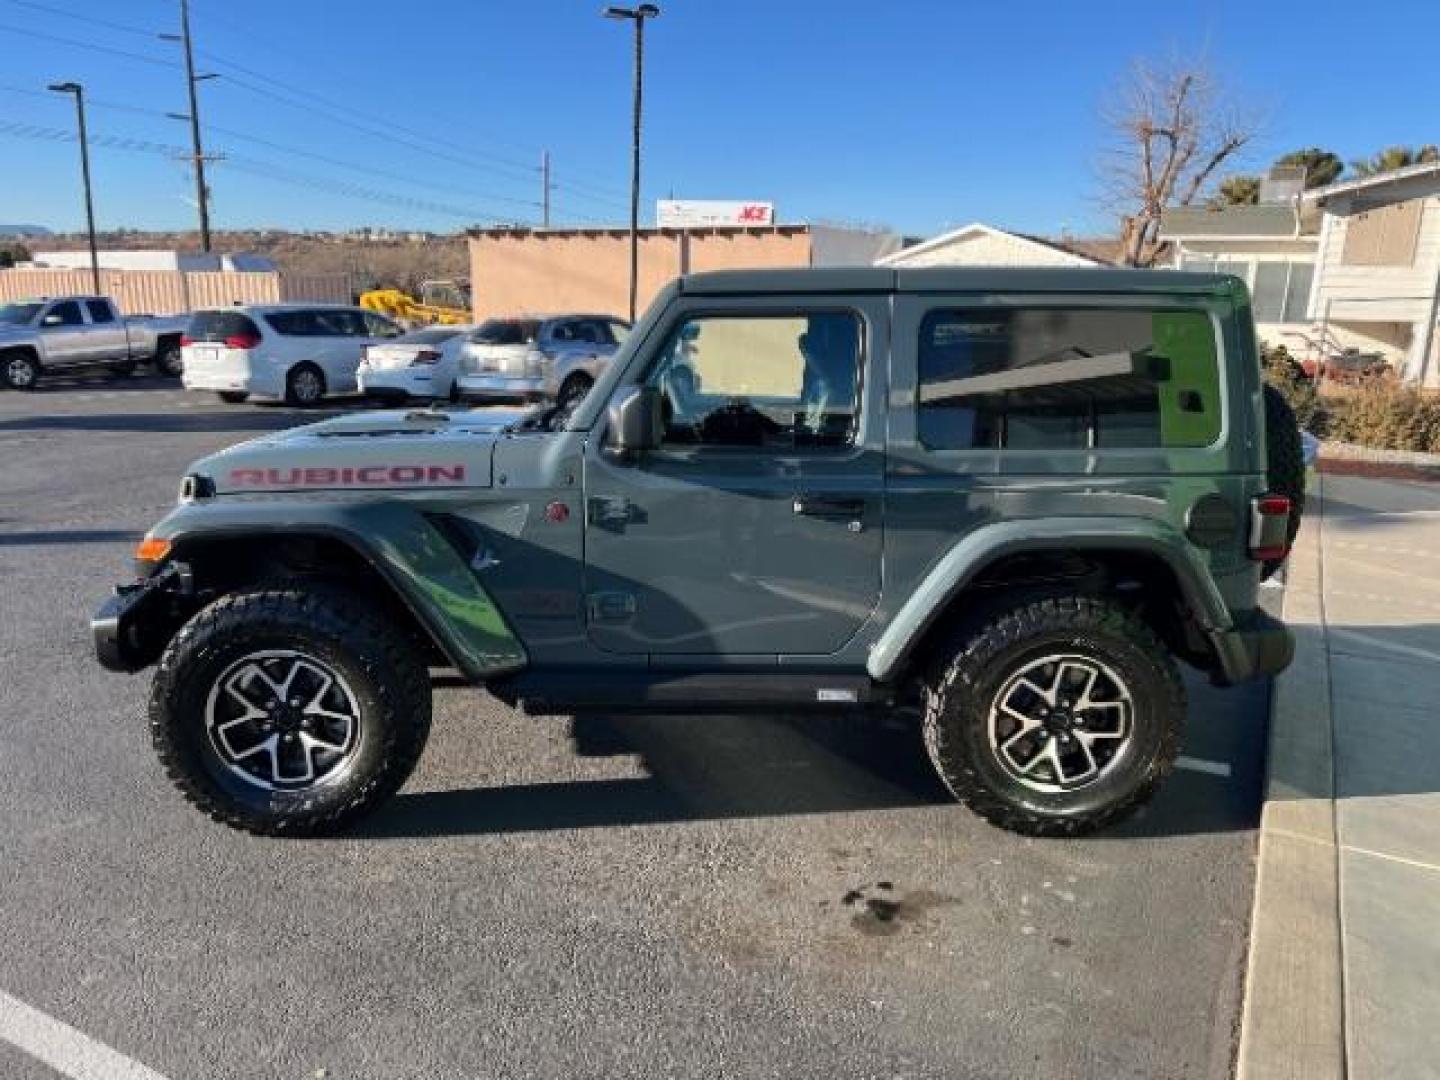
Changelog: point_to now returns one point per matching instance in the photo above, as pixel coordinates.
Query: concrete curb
(1293, 1023)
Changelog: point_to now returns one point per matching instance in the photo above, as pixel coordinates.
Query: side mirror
(51, 320)
(635, 423)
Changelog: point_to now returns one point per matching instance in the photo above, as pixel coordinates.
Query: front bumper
(132, 628)
(500, 387)
(1257, 645)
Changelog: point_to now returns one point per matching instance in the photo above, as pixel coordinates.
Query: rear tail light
(186, 339)
(242, 341)
(1270, 528)
(425, 356)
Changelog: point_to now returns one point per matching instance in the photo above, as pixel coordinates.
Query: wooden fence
(168, 292)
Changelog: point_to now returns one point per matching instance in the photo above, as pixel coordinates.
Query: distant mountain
(25, 230)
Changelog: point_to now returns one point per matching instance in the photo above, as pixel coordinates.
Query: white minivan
(299, 353)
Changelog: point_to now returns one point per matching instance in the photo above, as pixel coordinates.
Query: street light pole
(636, 15)
(78, 91)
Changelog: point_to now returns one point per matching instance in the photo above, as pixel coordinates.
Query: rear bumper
(1257, 645)
(398, 383)
(499, 388)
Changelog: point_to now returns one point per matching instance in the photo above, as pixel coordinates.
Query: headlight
(536, 360)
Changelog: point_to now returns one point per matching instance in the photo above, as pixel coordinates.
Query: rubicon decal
(363, 476)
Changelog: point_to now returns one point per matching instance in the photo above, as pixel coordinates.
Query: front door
(755, 529)
(66, 334)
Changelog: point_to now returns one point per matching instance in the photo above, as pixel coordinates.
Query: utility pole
(545, 188)
(197, 151)
(78, 91)
(636, 15)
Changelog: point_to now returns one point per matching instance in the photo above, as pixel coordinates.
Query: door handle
(829, 506)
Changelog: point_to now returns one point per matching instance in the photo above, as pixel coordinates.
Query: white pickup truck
(57, 332)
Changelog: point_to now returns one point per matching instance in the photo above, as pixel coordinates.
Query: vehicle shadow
(740, 767)
(43, 538)
(699, 768)
(240, 420)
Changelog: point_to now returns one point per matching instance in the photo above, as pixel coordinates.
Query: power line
(86, 45)
(264, 169)
(308, 64)
(89, 20)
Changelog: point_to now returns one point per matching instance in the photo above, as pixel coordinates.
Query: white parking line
(69, 1052)
(1214, 768)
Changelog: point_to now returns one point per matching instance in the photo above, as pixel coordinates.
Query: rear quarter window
(219, 325)
(1053, 378)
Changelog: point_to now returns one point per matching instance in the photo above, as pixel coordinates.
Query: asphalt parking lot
(755, 896)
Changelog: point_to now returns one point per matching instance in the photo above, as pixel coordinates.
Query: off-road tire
(377, 661)
(232, 397)
(1285, 469)
(170, 360)
(20, 369)
(962, 686)
(294, 395)
(572, 392)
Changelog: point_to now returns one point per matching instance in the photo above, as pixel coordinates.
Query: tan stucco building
(515, 271)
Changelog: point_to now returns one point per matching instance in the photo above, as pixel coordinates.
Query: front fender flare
(400, 544)
(960, 565)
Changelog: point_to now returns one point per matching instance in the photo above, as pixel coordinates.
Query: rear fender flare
(970, 555)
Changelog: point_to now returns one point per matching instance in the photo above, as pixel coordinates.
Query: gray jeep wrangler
(1004, 500)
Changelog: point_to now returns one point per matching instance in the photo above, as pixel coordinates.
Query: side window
(1057, 379)
(379, 326)
(774, 381)
(66, 313)
(99, 312)
(339, 322)
(294, 323)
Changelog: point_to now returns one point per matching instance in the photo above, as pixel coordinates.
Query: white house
(1378, 271)
(1355, 264)
(978, 244)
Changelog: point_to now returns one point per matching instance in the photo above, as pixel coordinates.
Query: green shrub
(1284, 373)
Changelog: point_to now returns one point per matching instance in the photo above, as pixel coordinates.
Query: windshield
(506, 332)
(19, 314)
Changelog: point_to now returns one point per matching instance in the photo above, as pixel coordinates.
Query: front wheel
(289, 712)
(21, 370)
(1055, 718)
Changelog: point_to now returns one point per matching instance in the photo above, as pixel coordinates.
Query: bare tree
(1172, 130)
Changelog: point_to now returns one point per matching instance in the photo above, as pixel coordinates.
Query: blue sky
(918, 115)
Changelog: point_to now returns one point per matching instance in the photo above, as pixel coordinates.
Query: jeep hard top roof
(838, 279)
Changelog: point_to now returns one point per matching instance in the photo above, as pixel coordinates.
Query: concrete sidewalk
(1344, 977)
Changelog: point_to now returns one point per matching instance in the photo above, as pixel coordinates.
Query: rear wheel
(21, 370)
(232, 397)
(1285, 469)
(289, 712)
(304, 386)
(169, 360)
(1055, 718)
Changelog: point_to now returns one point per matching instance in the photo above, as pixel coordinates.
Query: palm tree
(1395, 157)
(1321, 166)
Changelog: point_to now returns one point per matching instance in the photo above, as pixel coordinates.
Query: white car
(299, 353)
(421, 364)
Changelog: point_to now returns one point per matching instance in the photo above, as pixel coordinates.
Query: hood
(10, 330)
(369, 451)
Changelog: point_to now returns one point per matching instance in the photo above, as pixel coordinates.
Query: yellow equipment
(404, 307)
